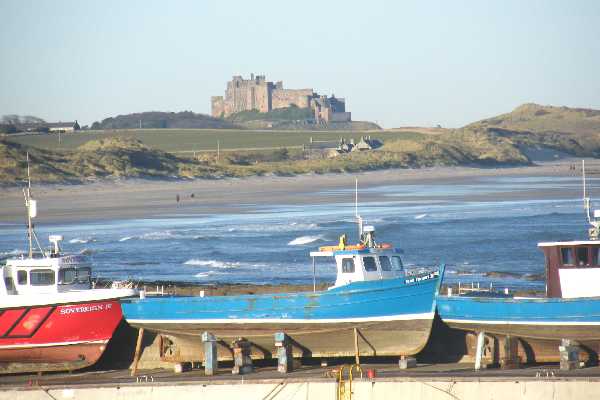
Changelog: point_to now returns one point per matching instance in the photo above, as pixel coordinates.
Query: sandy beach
(132, 199)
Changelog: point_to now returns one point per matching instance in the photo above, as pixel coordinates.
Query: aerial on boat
(374, 301)
(50, 316)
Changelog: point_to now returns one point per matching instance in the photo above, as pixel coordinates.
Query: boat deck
(314, 373)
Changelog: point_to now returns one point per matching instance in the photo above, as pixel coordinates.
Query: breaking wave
(80, 240)
(420, 216)
(212, 263)
(305, 240)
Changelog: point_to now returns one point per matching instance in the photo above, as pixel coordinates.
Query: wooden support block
(569, 355)
(285, 358)
(211, 360)
(407, 362)
(242, 362)
(509, 358)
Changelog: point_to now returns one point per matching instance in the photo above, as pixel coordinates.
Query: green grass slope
(536, 118)
(575, 131)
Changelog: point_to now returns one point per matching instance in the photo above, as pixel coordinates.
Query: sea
(485, 231)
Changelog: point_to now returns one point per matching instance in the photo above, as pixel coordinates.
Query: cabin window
(397, 263)
(348, 265)
(385, 263)
(369, 263)
(83, 275)
(582, 256)
(22, 277)
(566, 255)
(41, 277)
(594, 251)
(67, 276)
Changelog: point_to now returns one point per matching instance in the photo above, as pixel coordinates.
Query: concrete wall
(473, 389)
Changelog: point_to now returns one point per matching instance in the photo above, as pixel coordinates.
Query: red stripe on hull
(32, 320)
(8, 319)
(89, 353)
(63, 335)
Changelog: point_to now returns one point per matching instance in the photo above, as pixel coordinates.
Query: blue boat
(534, 318)
(570, 308)
(373, 297)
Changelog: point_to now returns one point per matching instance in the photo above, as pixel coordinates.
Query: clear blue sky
(396, 62)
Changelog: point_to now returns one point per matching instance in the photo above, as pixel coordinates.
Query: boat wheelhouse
(572, 268)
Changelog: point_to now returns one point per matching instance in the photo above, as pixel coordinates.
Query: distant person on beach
(177, 198)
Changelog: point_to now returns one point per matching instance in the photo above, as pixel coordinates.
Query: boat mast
(28, 205)
(594, 231)
(359, 220)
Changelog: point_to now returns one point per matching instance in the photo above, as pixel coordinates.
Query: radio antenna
(359, 219)
(594, 231)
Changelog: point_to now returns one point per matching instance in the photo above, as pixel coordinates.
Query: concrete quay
(431, 382)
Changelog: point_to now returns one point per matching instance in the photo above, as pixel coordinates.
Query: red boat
(50, 316)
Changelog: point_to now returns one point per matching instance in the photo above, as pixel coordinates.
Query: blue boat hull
(393, 317)
(535, 318)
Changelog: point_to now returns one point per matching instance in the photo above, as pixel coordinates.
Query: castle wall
(258, 94)
(217, 106)
(286, 97)
(340, 117)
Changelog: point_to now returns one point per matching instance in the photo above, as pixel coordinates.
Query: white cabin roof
(569, 243)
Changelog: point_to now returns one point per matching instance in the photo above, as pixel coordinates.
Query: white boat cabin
(367, 261)
(51, 272)
(572, 268)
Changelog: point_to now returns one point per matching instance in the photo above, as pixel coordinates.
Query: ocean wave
(126, 238)
(420, 216)
(305, 240)
(14, 252)
(267, 228)
(80, 240)
(87, 252)
(212, 263)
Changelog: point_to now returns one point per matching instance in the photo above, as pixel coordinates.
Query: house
(62, 126)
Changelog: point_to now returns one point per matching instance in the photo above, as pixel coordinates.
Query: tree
(31, 119)
(11, 119)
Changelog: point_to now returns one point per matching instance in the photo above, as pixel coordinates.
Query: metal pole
(28, 204)
(356, 351)
(218, 150)
(314, 276)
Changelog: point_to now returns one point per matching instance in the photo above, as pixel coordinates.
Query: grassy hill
(536, 118)
(163, 120)
(504, 140)
(575, 131)
(117, 157)
(290, 118)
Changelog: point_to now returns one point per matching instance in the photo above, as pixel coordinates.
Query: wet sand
(133, 199)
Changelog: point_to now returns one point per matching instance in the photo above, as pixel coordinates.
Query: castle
(258, 94)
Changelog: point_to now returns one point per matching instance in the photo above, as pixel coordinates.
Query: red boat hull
(57, 334)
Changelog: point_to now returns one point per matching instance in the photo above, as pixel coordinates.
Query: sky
(398, 63)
